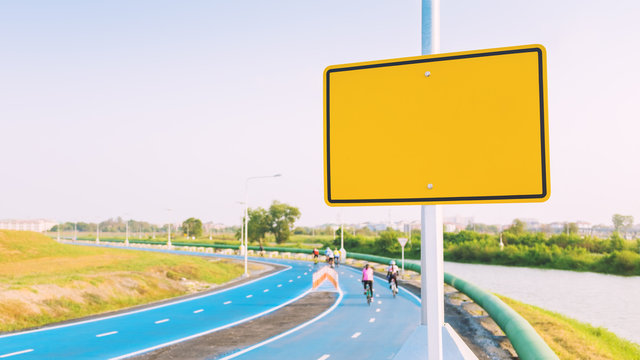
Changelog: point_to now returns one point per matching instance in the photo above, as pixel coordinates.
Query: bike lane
(353, 330)
(143, 330)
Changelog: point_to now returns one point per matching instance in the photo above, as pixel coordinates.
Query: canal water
(609, 301)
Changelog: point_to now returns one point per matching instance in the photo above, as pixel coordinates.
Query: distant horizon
(446, 219)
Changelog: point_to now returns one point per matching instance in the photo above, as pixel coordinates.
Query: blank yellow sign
(468, 127)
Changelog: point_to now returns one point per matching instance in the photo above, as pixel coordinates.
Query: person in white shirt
(392, 272)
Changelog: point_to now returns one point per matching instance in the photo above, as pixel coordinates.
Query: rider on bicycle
(392, 272)
(315, 255)
(329, 254)
(367, 278)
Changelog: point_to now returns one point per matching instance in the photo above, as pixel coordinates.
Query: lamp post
(98, 233)
(75, 231)
(246, 215)
(169, 230)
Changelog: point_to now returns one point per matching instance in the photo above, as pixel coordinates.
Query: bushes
(568, 252)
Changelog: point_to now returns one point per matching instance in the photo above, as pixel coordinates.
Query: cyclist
(315, 255)
(329, 254)
(367, 278)
(392, 273)
(336, 256)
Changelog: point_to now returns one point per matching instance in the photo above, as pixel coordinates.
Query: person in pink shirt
(367, 278)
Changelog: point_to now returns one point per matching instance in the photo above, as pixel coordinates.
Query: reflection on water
(609, 301)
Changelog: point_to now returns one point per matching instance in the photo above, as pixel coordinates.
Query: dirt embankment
(220, 343)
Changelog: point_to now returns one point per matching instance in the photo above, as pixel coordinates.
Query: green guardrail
(525, 340)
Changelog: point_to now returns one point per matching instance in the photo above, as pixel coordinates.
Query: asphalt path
(136, 332)
(353, 330)
(350, 329)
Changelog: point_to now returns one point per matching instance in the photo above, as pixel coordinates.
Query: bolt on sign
(467, 127)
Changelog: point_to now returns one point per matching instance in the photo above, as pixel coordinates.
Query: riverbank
(571, 339)
(43, 282)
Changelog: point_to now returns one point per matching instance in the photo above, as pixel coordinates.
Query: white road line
(377, 295)
(324, 357)
(16, 353)
(379, 302)
(372, 319)
(377, 310)
(279, 285)
(107, 334)
(305, 274)
(149, 308)
(162, 321)
(249, 296)
(290, 280)
(298, 276)
(355, 335)
(198, 311)
(265, 290)
(227, 302)
(350, 275)
(234, 355)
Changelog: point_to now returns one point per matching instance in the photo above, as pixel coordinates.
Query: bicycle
(394, 287)
(369, 294)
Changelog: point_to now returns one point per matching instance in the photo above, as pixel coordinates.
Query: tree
(387, 242)
(517, 227)
(192, 227)
(258, 224)
(570, 228)
(281, 219)
(621, 222)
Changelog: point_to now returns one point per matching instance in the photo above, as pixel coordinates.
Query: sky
(159, 110)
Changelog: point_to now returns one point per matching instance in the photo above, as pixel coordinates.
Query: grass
(572, 339)
(42, 281)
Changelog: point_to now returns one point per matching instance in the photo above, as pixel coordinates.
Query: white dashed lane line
(324, 357)
(290, 280)
(298, 276)
(354, 336)
(265, 290)
(249, 296)
(198, 311)
(377, 310)
(162, 321)
(304, 274)
(227, 302)
(16, 353)
(279, 285)
(372, 320)
(107, 334)
(379, 302)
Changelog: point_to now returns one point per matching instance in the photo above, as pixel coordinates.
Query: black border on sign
(442, 199)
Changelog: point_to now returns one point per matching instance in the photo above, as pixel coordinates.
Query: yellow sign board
(468, 127)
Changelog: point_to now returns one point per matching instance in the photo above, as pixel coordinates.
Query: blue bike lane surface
(353, 330)
(143, 330)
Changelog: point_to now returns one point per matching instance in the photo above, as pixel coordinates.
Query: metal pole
(126, 237)
(246, 228)
(403, 260)
(432, 261)
(75, 231)
(98, 233)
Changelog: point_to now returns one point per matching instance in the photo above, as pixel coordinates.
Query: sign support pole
(432, 279)
(432, 257)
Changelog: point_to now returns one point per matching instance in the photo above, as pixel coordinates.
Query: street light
(169, 231)
(246, 215)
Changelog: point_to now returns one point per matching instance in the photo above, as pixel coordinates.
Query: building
(38, 225)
